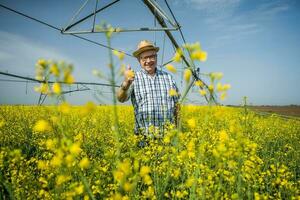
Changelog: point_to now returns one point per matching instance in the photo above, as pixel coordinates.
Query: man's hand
(129, 77)
(122, 92)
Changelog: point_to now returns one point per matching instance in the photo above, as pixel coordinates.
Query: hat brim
(143, 49)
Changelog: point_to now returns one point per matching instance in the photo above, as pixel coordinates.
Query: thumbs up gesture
(129, 76)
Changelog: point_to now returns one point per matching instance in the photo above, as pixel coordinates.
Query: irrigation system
(167, 25)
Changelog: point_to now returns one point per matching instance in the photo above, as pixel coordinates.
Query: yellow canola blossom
(56, 88)
(187, 75)
(199, 55)
(178, 55)
(171, 68)
(43, 88)
(173, 92)
(216, 148)
(69, 79)
(84, 163)
(62, 179)
(202, 92)
(2, 122)
(54, 70)
(119, 54)
(192, 123)
(145, 170)
(42, 126)
(42, 63)
(199, 83)
(223, 96)
(64, 108)
(75, 149)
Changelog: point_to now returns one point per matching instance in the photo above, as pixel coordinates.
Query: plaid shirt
(151, 100)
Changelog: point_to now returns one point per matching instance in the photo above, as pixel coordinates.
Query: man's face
(148, 61)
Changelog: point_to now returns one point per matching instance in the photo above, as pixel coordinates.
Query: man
(149, 90)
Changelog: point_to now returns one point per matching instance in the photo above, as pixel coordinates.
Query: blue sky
(255, 43)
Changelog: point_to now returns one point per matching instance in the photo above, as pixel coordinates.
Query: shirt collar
(157, 71)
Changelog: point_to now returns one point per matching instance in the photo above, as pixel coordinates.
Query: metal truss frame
(157, 9)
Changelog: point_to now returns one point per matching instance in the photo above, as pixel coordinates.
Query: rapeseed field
(75, 152)
(91, 152)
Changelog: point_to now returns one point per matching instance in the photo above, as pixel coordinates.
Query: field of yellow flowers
(76, 152)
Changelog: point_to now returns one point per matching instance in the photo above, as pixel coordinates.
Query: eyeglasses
(151, 58)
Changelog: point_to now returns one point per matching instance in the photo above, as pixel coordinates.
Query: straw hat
(143, 46)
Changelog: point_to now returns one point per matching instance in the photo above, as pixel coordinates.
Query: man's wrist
(125, 86)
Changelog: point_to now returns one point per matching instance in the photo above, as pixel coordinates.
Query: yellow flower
(50, 144)
(219, 75)
(42, 165)
(128, 187)
(43, 88)
(203, 56)
(64, 108)
(195, 54)
(194, 47)
(56, 161)
(223, 96)
(79, 189)
(173, 92)
(221, 147)
(202, 92)
(69, 160)
(42, 63)
(211, 88)
(149, 194)
(39, 77)
(147, 179)
(125, 167)
(42, 126)
(171, 68)
(2, 123)
(176, 173)
(54, 70)
(84, 163)
(145, 170)
(187, 75)
(78, 137)
(88, 108)
(179, 194)
(118, 175)
(60, 179)
(216, 75)
(69, 79)
(189, 182)
(226, 86)
(199, 83)
(177, 56)
(86, 197)
(192, 123)
(223, 136)
(119, 54)
(56, 88)
(110, 31)
(75, 148)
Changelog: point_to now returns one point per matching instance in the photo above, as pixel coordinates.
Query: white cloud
(19, 54)
(214, 7)
(242, 24)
